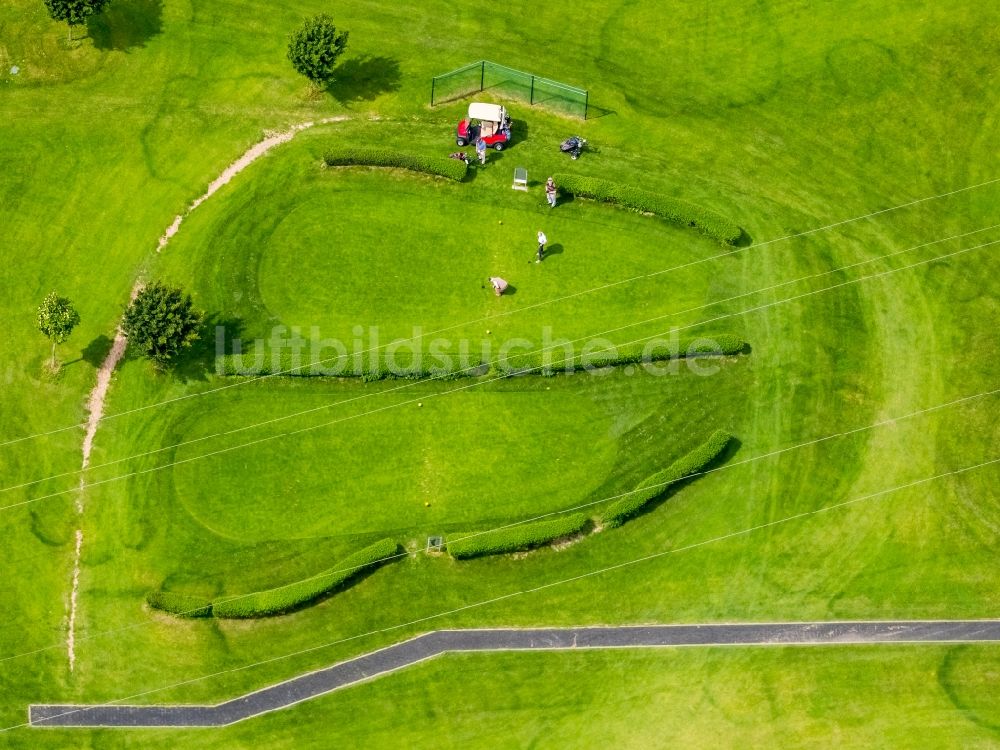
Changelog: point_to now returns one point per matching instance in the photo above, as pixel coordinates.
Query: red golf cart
(487, 121)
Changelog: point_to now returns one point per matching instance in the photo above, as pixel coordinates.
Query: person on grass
(550, 192)
(542, 240)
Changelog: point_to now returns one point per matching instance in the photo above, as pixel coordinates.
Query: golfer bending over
(499, 285)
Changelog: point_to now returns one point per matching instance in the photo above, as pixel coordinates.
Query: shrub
(285, 598)
(515, 538)
(181, 605)
(441, 166)
(672, 209)
(313, 49)
(652, 487)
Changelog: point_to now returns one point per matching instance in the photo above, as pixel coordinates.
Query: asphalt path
(423, 647)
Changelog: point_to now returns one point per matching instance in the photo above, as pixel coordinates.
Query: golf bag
(573, 146)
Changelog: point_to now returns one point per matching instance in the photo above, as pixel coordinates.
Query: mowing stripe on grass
(595, 289)
(289, 372)
(375, 664)
(50, 714)
(771, 454)
(311, 428)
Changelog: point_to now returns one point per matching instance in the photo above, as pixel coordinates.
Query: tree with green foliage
(161, 321)
(74, 12)
(56, 319)
(314, 48)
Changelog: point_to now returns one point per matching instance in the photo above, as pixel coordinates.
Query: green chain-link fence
(485, 75)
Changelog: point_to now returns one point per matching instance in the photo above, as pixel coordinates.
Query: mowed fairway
(784, 117)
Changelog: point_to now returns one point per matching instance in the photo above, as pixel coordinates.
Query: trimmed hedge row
(181, 605)
(652, 487)
(724, 344)
(515, 538)
(242, 365)
(632, 354)
(284, 598)
(452, 169)
(672, 209)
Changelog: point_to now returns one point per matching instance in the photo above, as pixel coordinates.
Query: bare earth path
(95, 402)
(427, 646)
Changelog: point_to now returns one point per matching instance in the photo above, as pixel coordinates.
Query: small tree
(314, 49)
(161, 321)
(56, 319)
(74, 12)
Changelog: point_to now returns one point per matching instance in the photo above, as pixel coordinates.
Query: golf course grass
(878, 333)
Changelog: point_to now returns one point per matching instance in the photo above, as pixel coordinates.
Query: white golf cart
(487, 121)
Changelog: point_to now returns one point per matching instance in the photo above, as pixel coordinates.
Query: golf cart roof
(489, 112)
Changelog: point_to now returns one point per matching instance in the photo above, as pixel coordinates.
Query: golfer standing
(542, 239)
(550, 192)
(481, 150)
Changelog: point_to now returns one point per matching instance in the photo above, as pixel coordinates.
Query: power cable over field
(590, 504)
(311, 428)
(620, 282)
(472, 369)
(522, 592)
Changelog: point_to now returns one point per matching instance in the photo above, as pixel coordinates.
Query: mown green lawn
(784, 117)
(807, 697)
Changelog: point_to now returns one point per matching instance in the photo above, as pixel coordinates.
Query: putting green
(384, 252)
(473, 457)
(343, 250)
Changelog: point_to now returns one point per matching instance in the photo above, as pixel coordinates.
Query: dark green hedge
(453, 169)
(672, 209)
(181, 605)
(515, 538)
(724, 343)
(652, 487)
(632, 354)
(285, 598)
(244, 365)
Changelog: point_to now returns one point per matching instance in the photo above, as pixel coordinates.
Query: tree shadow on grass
(364, 78)
(97, 350)
(126, 24)
(745, 240)
(94, 353)
(198, 362)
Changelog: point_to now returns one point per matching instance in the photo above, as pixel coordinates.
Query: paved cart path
(423, 647)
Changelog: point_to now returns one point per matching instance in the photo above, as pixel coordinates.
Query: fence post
(532, 91)
(433, 81)
(482, 74)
